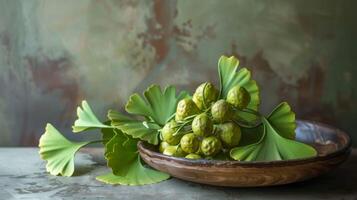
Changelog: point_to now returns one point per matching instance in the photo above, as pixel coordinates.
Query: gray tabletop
(23, 176)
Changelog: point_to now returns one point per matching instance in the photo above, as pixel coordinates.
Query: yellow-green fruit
(174, 151)
(180, 152)
(168, 131)
(185, 107)
(210, 146)
(163, 146)
(207, 92)
(221, 111)
(229, 133)
(238, 96)
(202, 125)
(170, 150)
(198, 152)
(189, 143)
(193, 156)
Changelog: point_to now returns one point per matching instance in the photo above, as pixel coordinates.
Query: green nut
(189, 143)
(163, 146)
(229, 133)
(221, 111)
(185, 107)
(239, 97)
(198, 152)
(210, 146)
(180, 152)
(202, 125)
(207, 93)
(168, 132)
(170, 150)
(174, 151)
(193, 156)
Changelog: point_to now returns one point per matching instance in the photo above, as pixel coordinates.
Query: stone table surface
(23, 176)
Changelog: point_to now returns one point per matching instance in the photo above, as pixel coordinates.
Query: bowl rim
(142, 146)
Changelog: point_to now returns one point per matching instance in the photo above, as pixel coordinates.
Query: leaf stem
(190, 117)
(181, 127)
(246, 124)
(251, 111)
(171, 117)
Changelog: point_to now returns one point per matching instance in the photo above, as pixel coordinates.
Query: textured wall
(53, 54)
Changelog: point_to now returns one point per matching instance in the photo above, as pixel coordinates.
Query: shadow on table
(89, 161)
(83, 169)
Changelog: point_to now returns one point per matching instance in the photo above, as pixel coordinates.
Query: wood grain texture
(333, 148)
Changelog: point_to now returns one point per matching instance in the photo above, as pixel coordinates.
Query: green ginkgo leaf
(230, 77)
(107, 135)
(138, 175)
(86, 119)
(122, 155)
(275, 143)
(251, 135)
(58, 152)
(110, 178)
(144, 130)
(121, 152)
(283, 120)
(158, 106)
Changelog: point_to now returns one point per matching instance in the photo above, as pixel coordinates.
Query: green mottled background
(53, 54)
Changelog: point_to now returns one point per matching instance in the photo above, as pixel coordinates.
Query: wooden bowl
(333, 146)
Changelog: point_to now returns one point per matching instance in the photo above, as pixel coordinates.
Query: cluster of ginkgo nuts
(203, 125)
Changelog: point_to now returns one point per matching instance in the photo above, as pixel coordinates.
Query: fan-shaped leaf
(144, 130)
(251, 135)
(138, 175)
(120, 152)
(107, 134)
(283, 120)
(158, 106)
(86, 119)
(123, 157)
(229, 77)
(275, 143)
(58, 151)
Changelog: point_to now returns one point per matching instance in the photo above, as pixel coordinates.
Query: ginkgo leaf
(158, 106)
(110, 178)
(144, 130)
(271, 147)
(275, 143)
(121, 152)
(283, 120)
(229, 77)
(291, 149)
(122, 155)
(138, 175)
(251, 135)
(107, 135)
(86, 119)
(58, 152)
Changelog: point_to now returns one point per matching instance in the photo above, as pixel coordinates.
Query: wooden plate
(333, 146)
